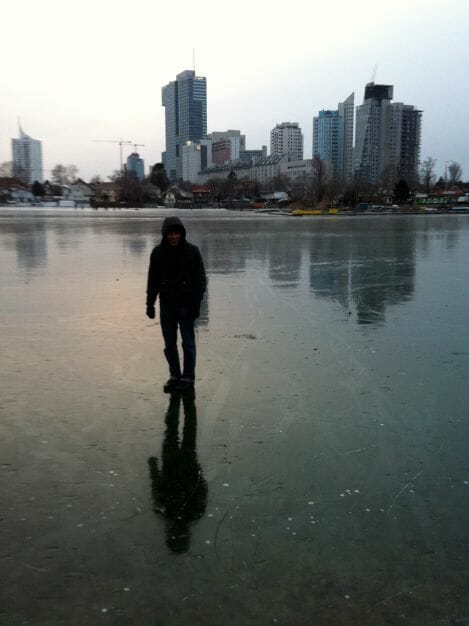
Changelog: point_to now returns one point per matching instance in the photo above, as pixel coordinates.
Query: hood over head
(173, 223)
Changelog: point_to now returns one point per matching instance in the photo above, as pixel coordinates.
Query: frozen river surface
(320, 476)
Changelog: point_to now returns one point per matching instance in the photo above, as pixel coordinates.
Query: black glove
(195, 309)
(151, 312)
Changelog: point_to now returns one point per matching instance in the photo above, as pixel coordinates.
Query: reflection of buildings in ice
(284, 255)
(31, 245)
(370, 269)
(224, 255)
(67, 238)
(230, 253)
(135, 244)
(430, 230)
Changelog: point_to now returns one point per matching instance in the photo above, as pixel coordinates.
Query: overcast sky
(75, 72)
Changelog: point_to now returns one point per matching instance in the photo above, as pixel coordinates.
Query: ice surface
(301, 405)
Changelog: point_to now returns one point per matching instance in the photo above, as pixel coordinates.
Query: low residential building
(296, 169)
(268, 168)
(251, 156)
(201, 195)
(440, 199)
(107, 192)
(13, 191)
(79, 192)
(261, 171)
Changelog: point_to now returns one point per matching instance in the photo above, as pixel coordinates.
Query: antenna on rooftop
(193, 59)
(373, 76)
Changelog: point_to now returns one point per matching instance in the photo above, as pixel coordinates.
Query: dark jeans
(173, 316)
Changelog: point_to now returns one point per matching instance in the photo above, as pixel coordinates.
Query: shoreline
(19, 211)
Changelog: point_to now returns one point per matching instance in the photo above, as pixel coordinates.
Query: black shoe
(171, 385)
(186, 386)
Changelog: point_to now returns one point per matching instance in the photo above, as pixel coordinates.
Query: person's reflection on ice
(178, 487)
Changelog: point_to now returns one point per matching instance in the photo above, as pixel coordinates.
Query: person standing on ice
(177, 275)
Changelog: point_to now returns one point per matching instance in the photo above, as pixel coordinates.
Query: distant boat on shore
(331, 211)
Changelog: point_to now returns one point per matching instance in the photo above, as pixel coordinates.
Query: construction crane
(121, 143)
(135, 145)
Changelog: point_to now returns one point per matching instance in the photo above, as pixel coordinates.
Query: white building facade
(262, 171)
(195, 156)
(287, 139)
(27, 158)
(79, 193)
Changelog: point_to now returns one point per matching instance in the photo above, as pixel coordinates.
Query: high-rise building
(404, 155)
(135, 166)
(345, 139)
(287, 139)
(333, 139)
(195, 157)
(373, 124)
(387, 144)
(325, 138)
(27, 158)
(229, 134)
(221, 151)
(225, 150)
(185, 102)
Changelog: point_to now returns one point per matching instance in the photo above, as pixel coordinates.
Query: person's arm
(152, 285)
(200, 284)
(201, 276)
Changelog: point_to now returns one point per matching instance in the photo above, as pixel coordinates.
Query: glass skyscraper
(333, 139)
(136, 166)
(185, 102)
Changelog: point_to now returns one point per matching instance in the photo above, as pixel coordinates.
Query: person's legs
(169, 324)
(186, 325)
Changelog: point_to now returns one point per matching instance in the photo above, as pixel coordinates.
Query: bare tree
(64, 174)
(455, 173)
(389, 177)
(319, 179)
(427, 173)
(72, 171)
(6, 169)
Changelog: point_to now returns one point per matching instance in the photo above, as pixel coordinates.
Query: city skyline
(84, 86)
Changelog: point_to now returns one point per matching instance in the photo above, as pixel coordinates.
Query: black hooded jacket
(176, 273)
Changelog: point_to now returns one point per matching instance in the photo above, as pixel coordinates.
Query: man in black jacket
(177, 275)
